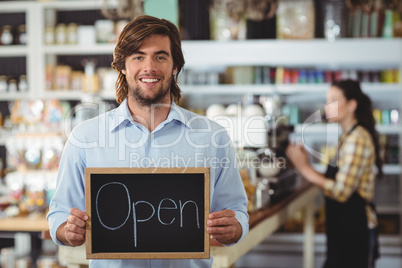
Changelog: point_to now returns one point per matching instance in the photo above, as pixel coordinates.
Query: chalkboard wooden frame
(205, 254)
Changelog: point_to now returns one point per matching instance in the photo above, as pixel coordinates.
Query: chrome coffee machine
(274, 167)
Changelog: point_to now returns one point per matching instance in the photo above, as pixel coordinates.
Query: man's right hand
(72, 232)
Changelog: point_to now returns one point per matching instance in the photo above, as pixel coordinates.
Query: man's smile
(149, 80)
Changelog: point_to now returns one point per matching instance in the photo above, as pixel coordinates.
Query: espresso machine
(275, 170)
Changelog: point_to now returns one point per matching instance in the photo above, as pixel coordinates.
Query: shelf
(79, 49)
(15, 6)
(186, 90)
(323, 88)
(389, 129)
(392, 169)
(108, 94)
(14, 96)
(317, 52)
(230, 89)
(77, 94)
(19, 224)
(67, 94)
(6, 134)
(283, 89)
(319, 128)
(13, 51)
(72, 5)
(271, 52)
(227, 89)
(381, 87)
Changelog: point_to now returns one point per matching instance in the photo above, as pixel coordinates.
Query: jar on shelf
(49, 35)
(3, 83)
(72, 33)
(34, 199)
(296, 19)
(61, 34)
(104, 30)
(6, 35)
(388, 29)
(12, 86)
(22, 83)
(335, 19)
(22, 35)
(228, 20)
(91, 80)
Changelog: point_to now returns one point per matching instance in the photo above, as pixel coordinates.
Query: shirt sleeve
(229, 192)
(70, 190)
(354, 156)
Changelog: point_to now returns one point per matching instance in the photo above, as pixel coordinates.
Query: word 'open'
(163, 205)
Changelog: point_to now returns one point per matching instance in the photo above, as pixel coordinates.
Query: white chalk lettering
(97, 206)
(181, 212)
(161, 207)
(142, 220)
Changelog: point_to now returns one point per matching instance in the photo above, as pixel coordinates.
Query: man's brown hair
(131, 39)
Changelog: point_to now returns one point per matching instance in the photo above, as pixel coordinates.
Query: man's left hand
(224, 227)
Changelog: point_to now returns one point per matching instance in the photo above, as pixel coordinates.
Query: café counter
(37, 228)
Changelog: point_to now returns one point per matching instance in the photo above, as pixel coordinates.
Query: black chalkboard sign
(147, 213)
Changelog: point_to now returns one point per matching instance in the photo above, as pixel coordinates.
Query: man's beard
(136, 94)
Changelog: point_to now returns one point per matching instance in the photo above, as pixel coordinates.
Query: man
(148, 126)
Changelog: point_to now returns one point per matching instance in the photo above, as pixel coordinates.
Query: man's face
(149, 71)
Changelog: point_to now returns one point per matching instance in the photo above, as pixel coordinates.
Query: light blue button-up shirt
(113, 139)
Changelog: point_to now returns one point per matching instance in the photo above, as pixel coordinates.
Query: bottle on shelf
(72, 33)
(91, 81)
(22, 35)
(3, 83)
(12, 86)
(61, 34)
(6, 38)
(22, 83)
(49, 35)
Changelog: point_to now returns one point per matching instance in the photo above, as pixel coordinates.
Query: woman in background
(348, 184)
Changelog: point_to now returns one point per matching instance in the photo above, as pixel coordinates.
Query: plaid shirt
(356, 170)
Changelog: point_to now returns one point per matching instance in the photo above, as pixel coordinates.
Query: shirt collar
(178, 114)
(119, 116)
(122, 116)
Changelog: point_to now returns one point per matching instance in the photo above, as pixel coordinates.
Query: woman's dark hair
(131, 39)
(364, 113)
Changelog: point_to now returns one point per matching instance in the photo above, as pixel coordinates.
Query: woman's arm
(299, 158)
